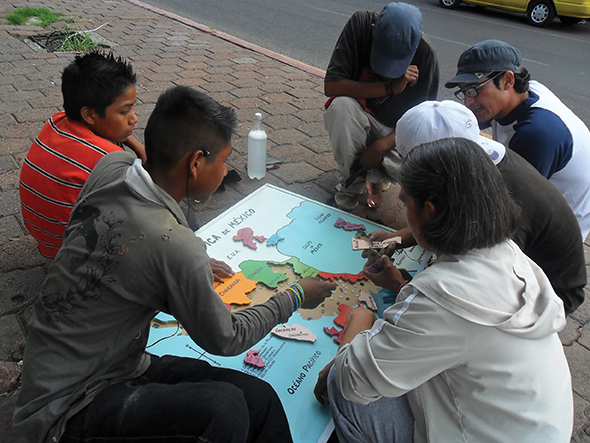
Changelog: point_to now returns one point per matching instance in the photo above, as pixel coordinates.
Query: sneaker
(374, 194)
(346, 201)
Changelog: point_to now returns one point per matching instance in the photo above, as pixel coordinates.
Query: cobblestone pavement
(167, 50)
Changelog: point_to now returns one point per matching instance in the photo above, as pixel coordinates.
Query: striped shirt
(54, 171)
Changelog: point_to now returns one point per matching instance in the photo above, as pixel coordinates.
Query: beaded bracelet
(300, 292)
(296, 295)
(294, 299)
(291, 300)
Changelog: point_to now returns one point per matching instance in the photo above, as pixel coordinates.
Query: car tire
(540, 12)
(568, 21)
(449, 4)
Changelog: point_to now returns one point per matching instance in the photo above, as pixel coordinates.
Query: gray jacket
(127, 254)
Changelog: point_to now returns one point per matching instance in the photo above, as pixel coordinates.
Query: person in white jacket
(469, 352)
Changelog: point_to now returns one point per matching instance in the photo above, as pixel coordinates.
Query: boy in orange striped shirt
(99, 94)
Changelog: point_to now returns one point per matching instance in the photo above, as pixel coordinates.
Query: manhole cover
(53, 41)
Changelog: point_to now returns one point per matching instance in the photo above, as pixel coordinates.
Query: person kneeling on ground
(381, 66)
(470, 350)
(128, 253)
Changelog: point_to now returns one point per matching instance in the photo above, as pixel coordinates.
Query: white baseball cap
(433, 120)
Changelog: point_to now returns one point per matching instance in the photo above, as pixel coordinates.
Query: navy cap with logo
(397, 34)
(482, 59)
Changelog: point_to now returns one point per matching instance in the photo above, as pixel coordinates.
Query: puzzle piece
(377, 266)
(252, 358)
(364, 243)
(274, 240)
(247, 237)
(334, 333)
(234, 290)
(347, 277)
(347, 226)
(359, 244)
(368, 299)
(385, 243)
(294, 332)
(342, 318)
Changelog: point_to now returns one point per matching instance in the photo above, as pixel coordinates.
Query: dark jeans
(182, 400)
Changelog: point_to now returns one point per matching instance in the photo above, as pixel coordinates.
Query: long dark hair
(473, 208)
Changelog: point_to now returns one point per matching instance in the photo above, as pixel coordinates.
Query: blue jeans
(182, 400)
(385, 420)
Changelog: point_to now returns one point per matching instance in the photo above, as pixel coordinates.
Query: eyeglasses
(473, 92)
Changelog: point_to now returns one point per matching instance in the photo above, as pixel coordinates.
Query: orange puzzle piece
(234, 290)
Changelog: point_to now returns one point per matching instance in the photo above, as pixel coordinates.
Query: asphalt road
(558, 56)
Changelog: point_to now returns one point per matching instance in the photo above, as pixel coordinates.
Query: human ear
(428, 210)
(194, 160)
(508, 79)
(89, 115)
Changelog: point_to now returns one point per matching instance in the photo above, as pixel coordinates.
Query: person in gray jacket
(128, 253)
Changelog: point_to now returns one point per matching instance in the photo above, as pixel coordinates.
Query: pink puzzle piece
(334, 333)
(247, 237)
(347, 226)
(252, 358)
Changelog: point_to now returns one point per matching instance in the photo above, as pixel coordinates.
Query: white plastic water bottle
(257, 149)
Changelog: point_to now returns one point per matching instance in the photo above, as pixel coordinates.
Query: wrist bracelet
(291, 300)
(301, 292)
(402, 285)
(293, 297)
(296, 295)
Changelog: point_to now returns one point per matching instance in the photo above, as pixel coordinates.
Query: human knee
(340, 111)
(220, 412)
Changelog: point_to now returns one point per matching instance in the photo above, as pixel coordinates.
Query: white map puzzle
(271, 239)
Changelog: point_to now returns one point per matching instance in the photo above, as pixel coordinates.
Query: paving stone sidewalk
(166, 50)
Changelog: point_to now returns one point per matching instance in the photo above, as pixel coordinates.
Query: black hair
(95, 80)
(521, 80)
(186, 120)
(473, 207)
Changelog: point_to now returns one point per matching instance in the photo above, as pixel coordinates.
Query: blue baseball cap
(482, 59)
(397, 33)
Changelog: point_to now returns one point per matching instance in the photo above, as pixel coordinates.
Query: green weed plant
(21, 15)
(77, 41)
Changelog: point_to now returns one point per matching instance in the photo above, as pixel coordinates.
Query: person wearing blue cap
(528, 118)
(381, 66)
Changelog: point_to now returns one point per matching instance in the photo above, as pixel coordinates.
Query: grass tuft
(45, 15)
(79, 41)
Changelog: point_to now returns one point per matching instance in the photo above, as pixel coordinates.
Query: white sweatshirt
(473, 342)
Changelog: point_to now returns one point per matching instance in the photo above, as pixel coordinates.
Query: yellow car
(538, 12)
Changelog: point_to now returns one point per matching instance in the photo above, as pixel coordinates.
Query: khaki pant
(351, 129)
